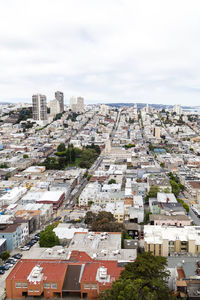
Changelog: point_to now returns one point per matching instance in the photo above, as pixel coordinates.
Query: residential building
(52, 197)
(164, 240)
(156, 132)
(54, 107)
(39, 107)
(80, 104)
(13, 235)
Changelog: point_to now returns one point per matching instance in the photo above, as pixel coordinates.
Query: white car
(25, 248)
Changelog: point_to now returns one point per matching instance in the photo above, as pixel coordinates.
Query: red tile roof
(53, 270)
(90, 271)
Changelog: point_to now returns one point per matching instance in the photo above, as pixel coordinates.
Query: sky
(104, 50)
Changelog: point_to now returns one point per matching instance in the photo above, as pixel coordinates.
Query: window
(24, 284)
(94, 286)
(47, 285)
(54, 285)
(86, 286)
(18, 284)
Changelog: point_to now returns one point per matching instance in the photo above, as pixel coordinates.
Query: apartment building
(39, 107)
(166, 240)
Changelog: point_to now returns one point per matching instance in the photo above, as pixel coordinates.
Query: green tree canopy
(152, 192)
(103, 221)
(48, 237)
(61, 147)
(111, 181)
(144, 279)
(5, 255)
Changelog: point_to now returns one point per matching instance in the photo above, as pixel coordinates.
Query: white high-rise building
(148, 109)
(72, 102)
(80, 104)
(39, 107)
(104, 110)
(177, 109)
(76, 104)
(156, 132)
(54, 107)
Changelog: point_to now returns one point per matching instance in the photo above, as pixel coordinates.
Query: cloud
(116, 50)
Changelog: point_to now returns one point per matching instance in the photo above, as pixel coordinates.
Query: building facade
(80, 275)
(60, 97)
(39, 107)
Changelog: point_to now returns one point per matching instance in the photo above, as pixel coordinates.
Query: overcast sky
(103, 50)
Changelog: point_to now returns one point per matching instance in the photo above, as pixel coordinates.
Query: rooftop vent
(103, 272)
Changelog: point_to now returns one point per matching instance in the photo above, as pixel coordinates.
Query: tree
(48, 237)
(166, 190)
(84, 164)
(146, 217)
(25, 156)
(103, 221)
(152, 192)
(61, 147)
(89, 217)
(61, 162)
(4, 166)
(175, 187)
(151, 147)
(5, 255)
(89, 177)
(111, 181)
(73, 155)
(162, 164)
(144, 279)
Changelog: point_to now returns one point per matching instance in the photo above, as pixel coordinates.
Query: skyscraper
(60, 97)
(54, 107)
(177, 109)
(72, 102)
(80, 104)
(39, 107)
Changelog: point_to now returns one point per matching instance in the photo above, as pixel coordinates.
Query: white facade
(177, 109)
(54, 107)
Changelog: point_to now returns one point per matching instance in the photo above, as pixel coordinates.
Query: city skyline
(121, 51)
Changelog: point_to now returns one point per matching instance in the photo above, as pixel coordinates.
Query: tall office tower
(177, 109)
(135, 108)
(54, 107)
(60, 97)
(72, 102)
(39, 107)
(104, 110)
(148, 109)
(80, 104)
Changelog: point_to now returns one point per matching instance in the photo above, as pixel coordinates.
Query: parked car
(34, 241)
(25, 248)
(29, 244)
(9, 265)
(11, 261)
(17, 256)
(2, 272)
(4, 267)
(37, 235)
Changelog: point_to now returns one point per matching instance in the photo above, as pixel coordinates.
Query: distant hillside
(157, 106)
